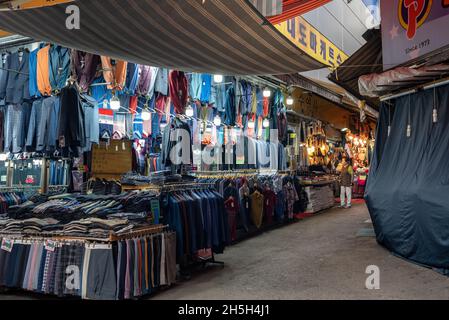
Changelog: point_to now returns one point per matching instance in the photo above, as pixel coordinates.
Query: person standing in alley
(346, 178)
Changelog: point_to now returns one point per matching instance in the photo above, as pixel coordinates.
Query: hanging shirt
(17, 88)
(269, 204)
(84, 68)
(260, 102)
(266, 105)
(178, 90)
(144, 80)
(34, 90)
(257, 208)
(161, 84)
(43, 71)
(291, 197)
(59, 67)
(230, 107)
(195, 86)
(91, 117)
(115, 75)
(153, 76)
(4, 64)
(253, 100)
(206, 84)
(132, 78)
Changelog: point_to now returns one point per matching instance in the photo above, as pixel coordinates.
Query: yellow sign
(311, 41)
(29, 4)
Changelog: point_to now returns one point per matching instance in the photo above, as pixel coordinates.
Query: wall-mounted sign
(311, 41)
(412, 28)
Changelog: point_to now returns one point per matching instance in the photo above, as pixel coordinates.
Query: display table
(320, 194)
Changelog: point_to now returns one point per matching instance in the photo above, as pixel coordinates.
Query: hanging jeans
(345, 191)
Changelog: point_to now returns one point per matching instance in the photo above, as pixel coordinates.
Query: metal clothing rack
(113, 237)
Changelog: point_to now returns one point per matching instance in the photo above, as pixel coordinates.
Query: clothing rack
(12, 70)
(19, 189)
(61, 238)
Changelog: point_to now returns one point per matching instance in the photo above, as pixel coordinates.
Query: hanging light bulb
(115, 103)
(189, 111)
(251, 124)
(409, 130)
(409, 125)
(218, 78)
(146, 114)
(266, 92)
(266, 123)
(290, 101)
(217, 120)
(435, 110)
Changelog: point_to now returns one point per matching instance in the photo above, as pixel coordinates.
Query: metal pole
(401, 94)
(44, 176)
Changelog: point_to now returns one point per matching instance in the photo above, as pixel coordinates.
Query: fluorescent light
(290, 101)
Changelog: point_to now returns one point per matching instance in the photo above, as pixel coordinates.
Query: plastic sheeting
(375, 85)
(408, 187)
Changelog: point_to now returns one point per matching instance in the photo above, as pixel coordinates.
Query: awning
(225, 37)
(368, 59)
(295, 8)
(327, 91)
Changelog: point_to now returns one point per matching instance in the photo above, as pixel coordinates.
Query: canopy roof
(226, 37)
(294, 8)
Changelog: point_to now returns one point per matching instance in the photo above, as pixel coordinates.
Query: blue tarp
(408, 188)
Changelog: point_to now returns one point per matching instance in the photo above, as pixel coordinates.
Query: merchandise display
(100, 140)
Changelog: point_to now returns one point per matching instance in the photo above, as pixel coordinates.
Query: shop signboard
(312, 42)
(412, 28)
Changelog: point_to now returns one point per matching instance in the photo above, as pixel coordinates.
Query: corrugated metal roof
(224, 37)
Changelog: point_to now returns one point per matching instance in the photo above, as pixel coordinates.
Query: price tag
(50, 245)
(7, 245)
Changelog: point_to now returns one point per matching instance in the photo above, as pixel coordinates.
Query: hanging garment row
(122, 270)
(252, 202)
(199, 219)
